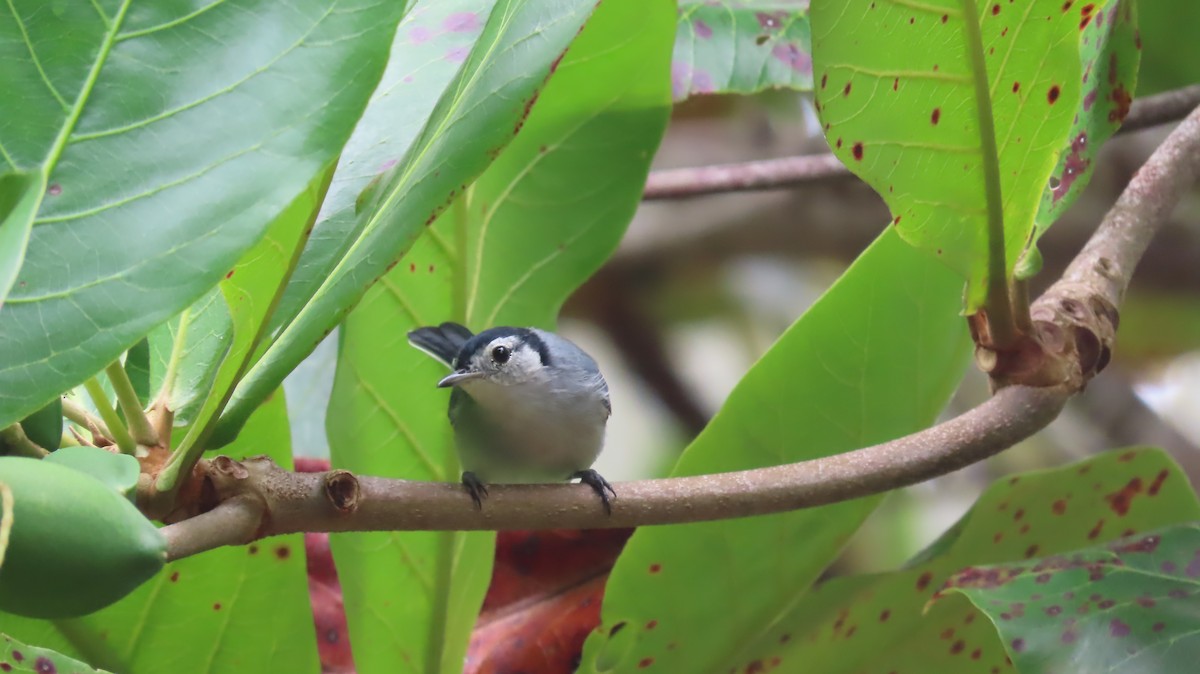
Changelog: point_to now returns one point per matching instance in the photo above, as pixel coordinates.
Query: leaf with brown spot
(1130, 606)
(836, 628)
(1110, 57)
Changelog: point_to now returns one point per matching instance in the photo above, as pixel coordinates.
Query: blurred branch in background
(1114, 410)
(787, 171)
(611, 300)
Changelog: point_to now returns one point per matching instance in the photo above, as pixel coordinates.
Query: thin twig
(116, 428)
(766, 174)
(143, 432)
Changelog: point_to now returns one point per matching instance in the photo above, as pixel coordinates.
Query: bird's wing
(443, 342)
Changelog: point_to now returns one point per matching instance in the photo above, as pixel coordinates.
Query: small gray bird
(528, 406)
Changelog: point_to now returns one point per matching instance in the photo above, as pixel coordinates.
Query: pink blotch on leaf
(461, 22)
(419, 34)
(793, 57)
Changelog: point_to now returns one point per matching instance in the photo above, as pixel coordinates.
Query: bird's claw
(475, 487)
(599, 485)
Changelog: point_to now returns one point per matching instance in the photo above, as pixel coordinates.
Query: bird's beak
(458, 378)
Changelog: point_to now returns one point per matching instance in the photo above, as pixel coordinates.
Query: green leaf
(897, 94)
(18, 657)
(733, 47)
(509, 251)
(476, 117)
(1110, 55)
(185, 353)
(249, 292)
(19, 195)
(885, 622)
(118, 471)
(1130, 606)
(875, 358)
(137, 368)
(245, 608)
(75, 544)
(45, 426)
(427, 55)
(171, 138)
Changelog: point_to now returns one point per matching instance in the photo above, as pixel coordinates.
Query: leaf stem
(75, 412)
(116, 428)
(14, 441)
(139, 425)
(1001, 325)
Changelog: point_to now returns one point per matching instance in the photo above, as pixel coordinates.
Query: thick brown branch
(768, 174)
(300, 501)
(257, 498)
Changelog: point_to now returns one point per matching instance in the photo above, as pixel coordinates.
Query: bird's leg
(475, 487)
(599, 485)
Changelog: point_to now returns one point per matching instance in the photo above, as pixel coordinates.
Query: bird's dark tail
(442, 342)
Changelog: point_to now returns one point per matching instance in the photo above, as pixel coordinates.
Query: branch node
(985, 359)
(342, 491)
(227, 467)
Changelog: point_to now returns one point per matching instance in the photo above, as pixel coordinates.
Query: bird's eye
(500, 354)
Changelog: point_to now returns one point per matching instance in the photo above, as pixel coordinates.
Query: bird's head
(503, 356)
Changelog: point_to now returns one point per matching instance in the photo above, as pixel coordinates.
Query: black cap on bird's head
(503, 353)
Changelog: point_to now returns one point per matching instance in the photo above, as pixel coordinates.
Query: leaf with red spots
(509, 250)
(246, 608)
(887, 66)
(543, 600)
(887, 622)
(18, 657)
(1110, 59)
(733, 47)
(1130, 606)
(876, 357)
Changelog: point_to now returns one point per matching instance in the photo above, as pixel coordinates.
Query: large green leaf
(740, 47)
(885, 622)
(896, 91)
(509, 251)
(1130, 606)
(234, 609)
(478, 114)
(19, 196)
(875, 358)
(171, 136)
